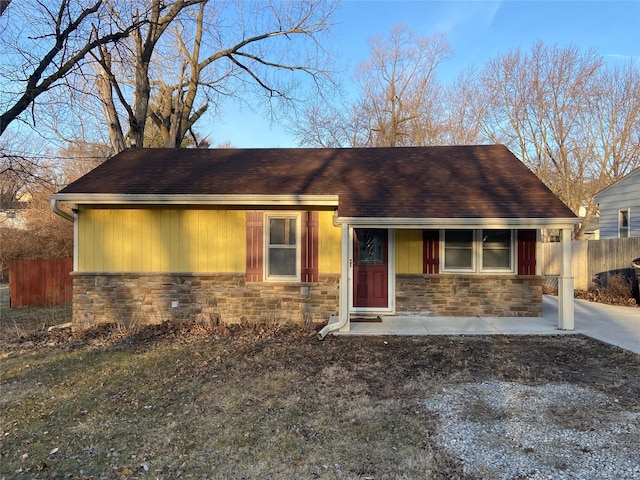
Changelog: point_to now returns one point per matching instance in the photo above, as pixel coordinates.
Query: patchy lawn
(276, 403)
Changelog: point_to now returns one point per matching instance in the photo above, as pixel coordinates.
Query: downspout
(343, 310)
(332, 327)
(56, 209)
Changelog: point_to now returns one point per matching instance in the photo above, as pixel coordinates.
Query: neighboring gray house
(12, 215)
(620, 207)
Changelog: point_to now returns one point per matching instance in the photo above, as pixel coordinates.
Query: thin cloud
(459, 15)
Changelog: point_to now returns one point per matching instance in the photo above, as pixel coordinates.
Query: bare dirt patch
(274, 402)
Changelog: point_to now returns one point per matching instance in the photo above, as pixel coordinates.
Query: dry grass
(22, 322)
(266, 402)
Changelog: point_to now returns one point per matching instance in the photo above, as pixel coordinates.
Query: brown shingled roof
(485, 181)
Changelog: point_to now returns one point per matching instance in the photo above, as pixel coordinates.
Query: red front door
(371, 268)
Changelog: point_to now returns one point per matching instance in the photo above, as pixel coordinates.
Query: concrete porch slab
(424, 325)
(615, 325)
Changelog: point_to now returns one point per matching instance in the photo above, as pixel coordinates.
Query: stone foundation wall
(148, 298)
(469, 295)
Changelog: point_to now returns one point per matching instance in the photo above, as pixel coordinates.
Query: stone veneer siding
(469, 295)
(146, 298)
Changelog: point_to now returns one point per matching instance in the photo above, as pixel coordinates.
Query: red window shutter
(255, 249)
(430, 251)
(309, 247)
(526, 252)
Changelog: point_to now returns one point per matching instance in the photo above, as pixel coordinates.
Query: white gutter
(409, 223)
(187, 199)
(57, 211)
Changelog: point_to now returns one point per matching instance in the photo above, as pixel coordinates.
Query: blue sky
(477, 32)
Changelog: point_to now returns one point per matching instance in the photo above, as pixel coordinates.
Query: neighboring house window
(623, 223)
(484, 250)
(282, 247)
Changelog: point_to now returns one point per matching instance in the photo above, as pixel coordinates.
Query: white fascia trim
(409, 223)
(240, 200)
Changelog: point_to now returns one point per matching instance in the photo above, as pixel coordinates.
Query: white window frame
(267, 222)
(620, 227)
(443, 252)
(477, 254)
(510, 268)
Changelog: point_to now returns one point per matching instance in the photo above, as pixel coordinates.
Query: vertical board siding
(161, 240)
(329, 244)
(40, 282)
(552, 257)
(146, 254)
(408, 246)
(589, 258)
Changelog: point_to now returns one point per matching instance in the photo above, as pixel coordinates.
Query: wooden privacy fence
(592, 258)
(40, 282)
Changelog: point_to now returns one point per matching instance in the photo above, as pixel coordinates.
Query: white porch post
(345, 276)
(565, 284)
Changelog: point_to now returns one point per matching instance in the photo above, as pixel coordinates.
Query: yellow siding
(162, 240)
(329, 238)
(408, 251)
(146, 254)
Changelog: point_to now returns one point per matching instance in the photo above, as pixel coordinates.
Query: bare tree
(324, 125)
(217, 49)
(572, 121)
(610, 132)
(3, 6)
(45, 235)
(400, 95)
(16, 174)
(45, 42)
(538, 106)
(465, 108)
(399, 98)
(77, 159)
(20, 174)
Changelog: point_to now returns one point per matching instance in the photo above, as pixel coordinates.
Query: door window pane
(370, 247)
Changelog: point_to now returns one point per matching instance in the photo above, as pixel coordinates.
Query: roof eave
(400, 223)
(188, 199)
(598, 195)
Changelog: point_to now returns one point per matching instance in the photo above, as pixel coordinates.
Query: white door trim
(391, 280)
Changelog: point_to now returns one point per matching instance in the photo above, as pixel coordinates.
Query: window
(496, 249)
(370, 246)
(458, 250)
(486, 250)
(623, 223)
(283, 238)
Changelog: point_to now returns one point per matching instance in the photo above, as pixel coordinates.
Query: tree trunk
(106, 95)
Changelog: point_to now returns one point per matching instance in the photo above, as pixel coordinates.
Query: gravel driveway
(503, 430)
